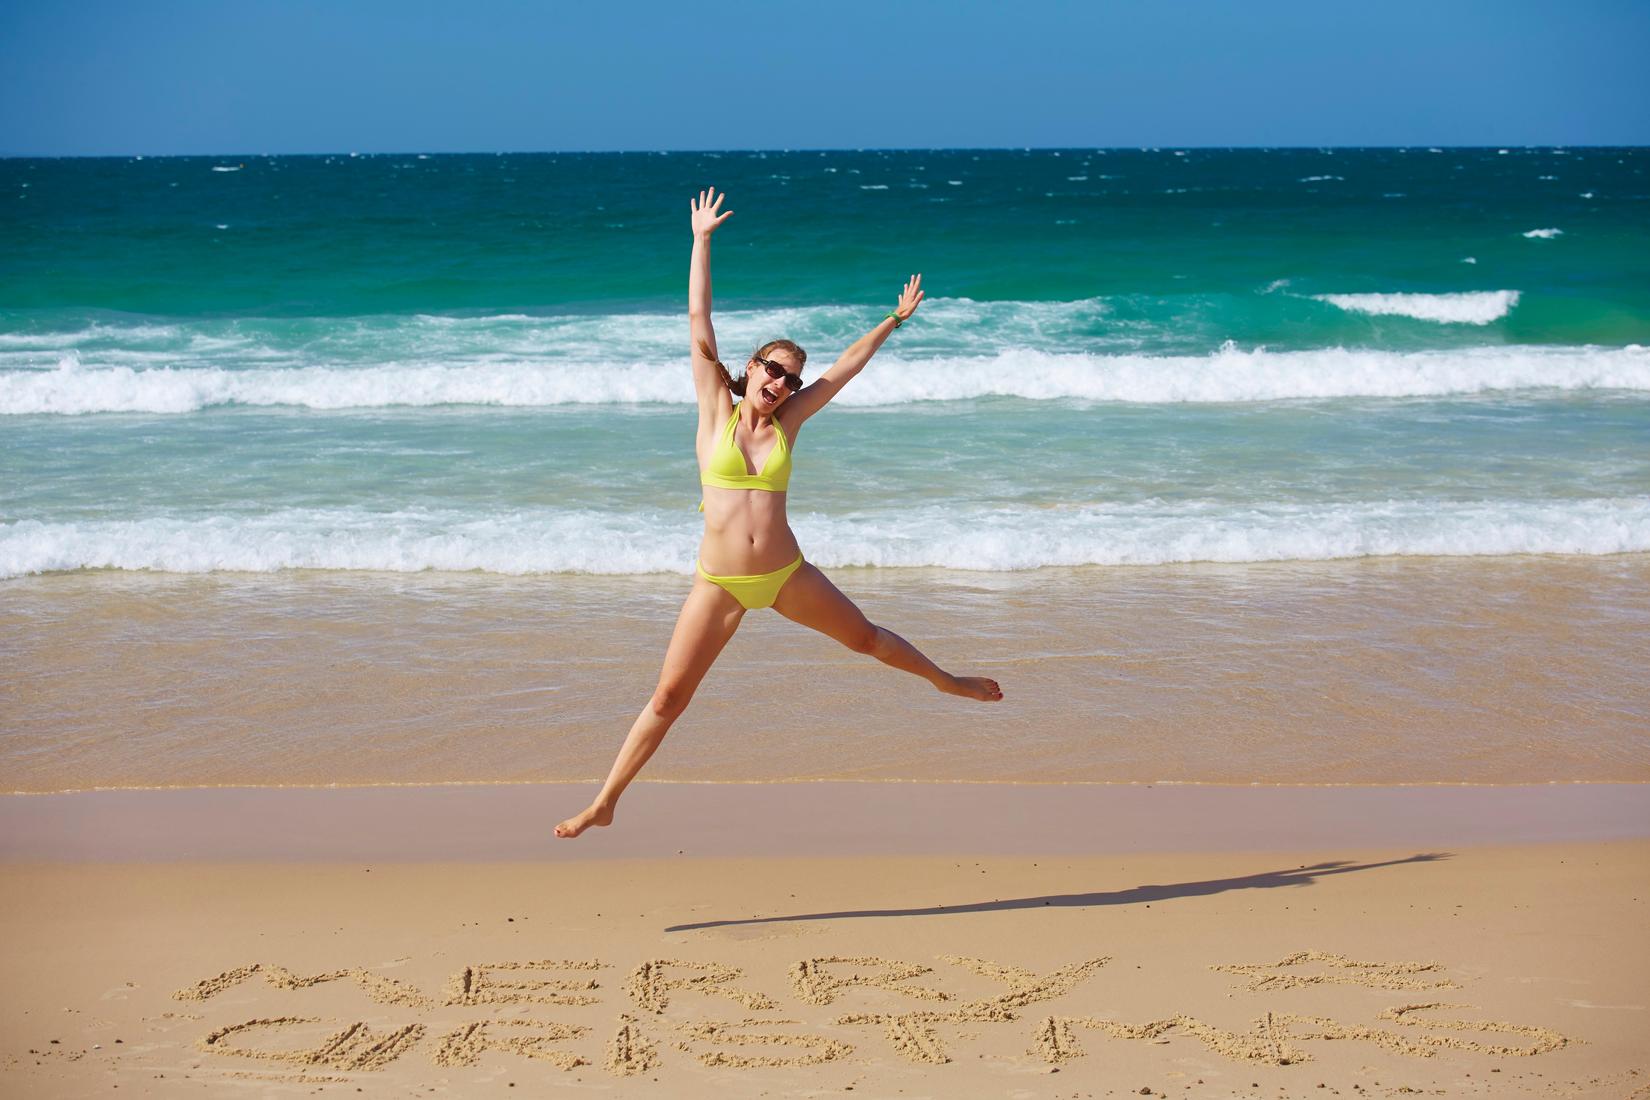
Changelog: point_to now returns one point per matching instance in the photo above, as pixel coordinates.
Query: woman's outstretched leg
(811, 599)
(708, 619)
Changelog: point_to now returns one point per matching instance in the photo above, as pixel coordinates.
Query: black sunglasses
(793, 382)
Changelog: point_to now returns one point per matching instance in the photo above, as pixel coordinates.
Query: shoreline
(812, 780)
(867, 572)
(1424, 671)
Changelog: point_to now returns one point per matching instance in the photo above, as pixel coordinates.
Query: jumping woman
(749, 558)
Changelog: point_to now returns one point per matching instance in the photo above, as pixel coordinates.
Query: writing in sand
(929, 1024)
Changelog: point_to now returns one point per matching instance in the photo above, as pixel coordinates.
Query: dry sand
(1318, 968)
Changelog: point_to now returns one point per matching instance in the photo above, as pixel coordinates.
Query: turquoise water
(478, 362)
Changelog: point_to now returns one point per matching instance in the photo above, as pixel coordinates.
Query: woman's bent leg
(811, 599)
(708, 619)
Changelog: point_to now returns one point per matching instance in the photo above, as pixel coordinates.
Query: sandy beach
(1027, 942)
(1131, 579)
(1296, 497)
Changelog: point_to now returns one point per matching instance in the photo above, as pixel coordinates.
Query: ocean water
(1315, 466)
(1127, 356)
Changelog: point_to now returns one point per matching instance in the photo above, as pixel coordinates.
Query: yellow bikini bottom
(759, 590)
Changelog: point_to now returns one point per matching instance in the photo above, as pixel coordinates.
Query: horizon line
(814, 149)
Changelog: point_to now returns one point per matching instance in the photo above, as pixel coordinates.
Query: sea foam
(1478, 307)
(1228, 375)
(545, 540)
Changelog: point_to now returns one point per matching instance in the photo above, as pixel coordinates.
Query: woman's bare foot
(974, 687)
(595, 815)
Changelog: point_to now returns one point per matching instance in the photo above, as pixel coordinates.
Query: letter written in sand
(356, 1047)
(915, 1035)
(465, 1046)
(1026, 988)
(1055, 1038)
(482, 985)
(1337, 969)
(818, 1048)
(1541, 1039)
(385, 991)
(630, 1052)
(652, 983)
(818, 981)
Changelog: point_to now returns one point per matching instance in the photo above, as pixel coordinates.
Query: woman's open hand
(909, 298)
(705, 212)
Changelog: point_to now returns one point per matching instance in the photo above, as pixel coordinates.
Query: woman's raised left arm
(814, 396)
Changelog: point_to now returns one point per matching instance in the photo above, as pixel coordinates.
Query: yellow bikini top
(727, 466)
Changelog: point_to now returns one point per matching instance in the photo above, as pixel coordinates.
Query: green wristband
(895, 316)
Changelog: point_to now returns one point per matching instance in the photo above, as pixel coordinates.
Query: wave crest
(1001, 539)
(1479, 307)
(1228, 375)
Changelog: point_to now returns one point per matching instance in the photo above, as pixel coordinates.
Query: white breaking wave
(950, 325)
(1228, 375)
(1544, 234)
(1474, 307)
(997, 539)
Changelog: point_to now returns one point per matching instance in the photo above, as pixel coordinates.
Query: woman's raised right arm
(707, 377)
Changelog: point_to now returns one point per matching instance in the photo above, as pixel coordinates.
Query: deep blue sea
(480, 362)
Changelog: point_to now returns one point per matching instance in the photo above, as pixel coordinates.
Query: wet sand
(1401, 670)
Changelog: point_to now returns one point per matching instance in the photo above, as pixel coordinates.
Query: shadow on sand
(1265, 880)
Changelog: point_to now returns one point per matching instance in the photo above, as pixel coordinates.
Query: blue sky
(96, 77)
